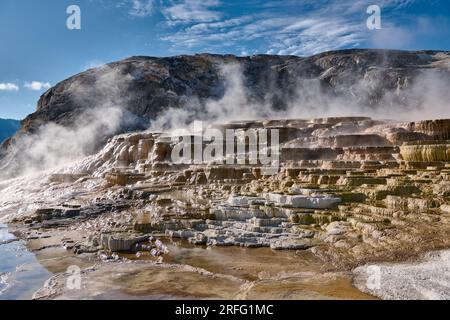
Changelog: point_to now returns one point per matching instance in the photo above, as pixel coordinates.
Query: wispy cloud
(141, 8)
(8, 87)
(393, 36)
(188, 11)
(290, 27)
(37, 85)
(317, 35)
(93, 64)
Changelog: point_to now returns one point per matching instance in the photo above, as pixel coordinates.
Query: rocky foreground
(349, 190)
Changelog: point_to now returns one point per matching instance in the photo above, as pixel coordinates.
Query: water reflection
(20, 272)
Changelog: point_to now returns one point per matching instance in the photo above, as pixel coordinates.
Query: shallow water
(231, 273)
(245, 263)
(21, 273)
(256, 273)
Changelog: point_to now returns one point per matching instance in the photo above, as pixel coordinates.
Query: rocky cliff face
(142, 88)
(159, 83)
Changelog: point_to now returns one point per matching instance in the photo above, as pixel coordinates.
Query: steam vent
(269, 208)
(350, 189)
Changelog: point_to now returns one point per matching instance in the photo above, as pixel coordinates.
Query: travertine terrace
(349, 189)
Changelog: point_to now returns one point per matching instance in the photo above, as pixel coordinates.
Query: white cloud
(284, 34)
(37, 86)
(8, 87)
(141, 8)
(91, 64)
(290, 27)
(393, 36)
(186, 11)
(318, 36)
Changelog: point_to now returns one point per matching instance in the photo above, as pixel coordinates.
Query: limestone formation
(348, 191)
(121, 242)
(436, 129)
(426, 151)
(344, 189)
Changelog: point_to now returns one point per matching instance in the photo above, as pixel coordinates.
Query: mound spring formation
(351, 190)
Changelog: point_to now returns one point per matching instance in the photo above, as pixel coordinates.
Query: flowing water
(228, 273)
(197, 272)
(240, 273)
(21, 274)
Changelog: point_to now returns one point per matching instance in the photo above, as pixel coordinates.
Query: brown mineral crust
(367, 200)
(353, 140)
(368, 153)
(437, 129)
(426, 151)
(298, 154)
(398, 138)
(336, 120)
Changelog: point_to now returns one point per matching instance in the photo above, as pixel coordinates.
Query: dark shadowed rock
(160, 83)
(155, 84)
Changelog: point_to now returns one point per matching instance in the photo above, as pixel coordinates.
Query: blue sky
(37, 50)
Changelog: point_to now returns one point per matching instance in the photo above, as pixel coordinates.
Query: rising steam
(54, 145)
(426, 98)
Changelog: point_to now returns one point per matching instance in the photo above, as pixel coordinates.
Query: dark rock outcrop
(155, 84)
(159, 83)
